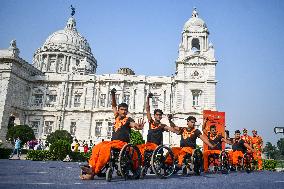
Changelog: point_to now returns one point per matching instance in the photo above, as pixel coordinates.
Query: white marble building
(61, 89)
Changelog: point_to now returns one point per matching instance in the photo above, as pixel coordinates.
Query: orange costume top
(256, 142)
(246, 138)
(155, 132)
(121, 129)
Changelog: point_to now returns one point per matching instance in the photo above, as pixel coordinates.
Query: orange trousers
(148, 146)
(234, 156)
(101, 154)
(258, 158)
(205, 157)
(180, 152)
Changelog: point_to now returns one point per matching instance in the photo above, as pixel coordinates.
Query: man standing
(257, 143)
(17, 148)
(246, 137)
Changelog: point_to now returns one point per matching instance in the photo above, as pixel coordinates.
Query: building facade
(61, 90)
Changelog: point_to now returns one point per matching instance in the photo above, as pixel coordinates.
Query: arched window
(195, 45)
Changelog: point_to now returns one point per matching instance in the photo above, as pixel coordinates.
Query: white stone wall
(65, 91)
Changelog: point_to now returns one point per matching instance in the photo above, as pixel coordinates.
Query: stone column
(70, 95)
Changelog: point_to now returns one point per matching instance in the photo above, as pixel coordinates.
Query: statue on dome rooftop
(73, 11)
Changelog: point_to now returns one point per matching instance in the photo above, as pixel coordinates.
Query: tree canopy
(58, 135)
(24, 132)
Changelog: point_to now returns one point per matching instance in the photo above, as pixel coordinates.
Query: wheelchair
(224, 165)
(160, 161)
(248, 162)
(126, 162)
(245, 163)
(213, 162)
(192, 163)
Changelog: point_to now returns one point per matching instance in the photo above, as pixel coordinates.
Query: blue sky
(144, 35)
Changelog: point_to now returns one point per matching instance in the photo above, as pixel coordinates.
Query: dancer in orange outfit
(156, 129)
(257, 143)
(239, 147)
(120, 136)
(215, 139)
(188, 139)
(246, 137)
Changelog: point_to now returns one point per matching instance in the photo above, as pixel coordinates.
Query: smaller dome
(194, 23)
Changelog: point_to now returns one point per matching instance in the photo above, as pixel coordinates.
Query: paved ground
(31, 174)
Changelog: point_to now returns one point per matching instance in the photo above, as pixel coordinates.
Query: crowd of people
(79, 146)
(121, 136)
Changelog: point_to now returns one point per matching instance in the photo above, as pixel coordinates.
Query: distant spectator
(39, 145)
(91, 145)
(86, 148)
(17, 148)
(76, 146)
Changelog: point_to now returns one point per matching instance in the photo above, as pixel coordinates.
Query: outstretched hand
(113, 91)
(150, 95)
(141, 123)
(170, 117)
(206, 120)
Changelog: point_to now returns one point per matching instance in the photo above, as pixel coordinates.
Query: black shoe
(101, 174)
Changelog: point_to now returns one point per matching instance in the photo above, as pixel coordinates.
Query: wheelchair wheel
(197, 161)
(224, 162)
(109, 174)
(143, 172)
(162, 161)
(247, 162)
(129, 162)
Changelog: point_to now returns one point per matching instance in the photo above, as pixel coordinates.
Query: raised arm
(204, 125)
(150, 95)
(137, 126)
(113, 102)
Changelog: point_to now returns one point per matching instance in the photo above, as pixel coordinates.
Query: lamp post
(279, 130)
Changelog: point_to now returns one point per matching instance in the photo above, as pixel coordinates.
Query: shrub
(5, 153)
(25, 133)
(80, 156)
(136, 137)
(269, 164)
(40, 155)
(60, 149)
(58, 135)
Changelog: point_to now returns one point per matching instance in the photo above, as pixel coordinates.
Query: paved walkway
(28, 174)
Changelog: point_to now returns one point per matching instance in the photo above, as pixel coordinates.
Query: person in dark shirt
(188, 139)
(120, 136)
(214, 138)
(239, 148)
(156, 129)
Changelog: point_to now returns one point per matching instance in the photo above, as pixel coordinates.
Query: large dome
(69, 36)
(65, 51)
(194, 23)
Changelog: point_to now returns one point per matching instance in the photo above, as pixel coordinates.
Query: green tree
(280, 146)
(58, 135)
(136, 137)
(25, 133)
(60, 149)
(271, 151)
